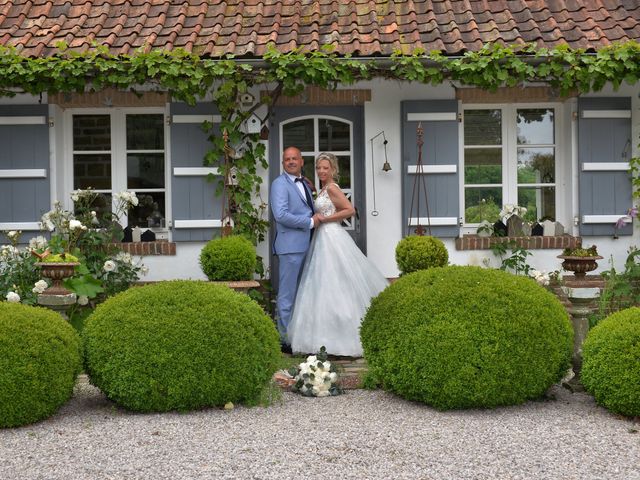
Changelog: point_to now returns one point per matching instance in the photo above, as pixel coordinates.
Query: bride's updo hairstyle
(333, 161)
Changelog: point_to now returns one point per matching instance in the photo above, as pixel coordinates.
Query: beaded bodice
(323, 204)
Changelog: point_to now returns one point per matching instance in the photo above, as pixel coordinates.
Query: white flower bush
(40, 286)
(316, 377)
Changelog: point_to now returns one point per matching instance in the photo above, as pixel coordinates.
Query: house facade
(443, 158)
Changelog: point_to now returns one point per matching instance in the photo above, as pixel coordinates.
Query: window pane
(536, 165)
(344, 169)
(145, 170)
(145, 132)
(309, 167)
(334, 135)
(101, 204)
(91, 132)
(482, 127)
(482, 204)
(535, 126)
(482, 165)
(298, 134)
(92, 171)
(539, 201)
(150, 211)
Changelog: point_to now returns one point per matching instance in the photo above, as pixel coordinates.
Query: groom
(292, 208)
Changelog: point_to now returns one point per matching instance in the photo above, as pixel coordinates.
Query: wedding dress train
(336, 288)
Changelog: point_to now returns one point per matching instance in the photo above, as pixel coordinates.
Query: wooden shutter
(604, 150)
(439, 119)
(24, 166)
(196, 210)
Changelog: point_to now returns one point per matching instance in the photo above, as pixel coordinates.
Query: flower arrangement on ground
(316, 377)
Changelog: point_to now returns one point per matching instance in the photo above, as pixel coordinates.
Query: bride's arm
(344, 209)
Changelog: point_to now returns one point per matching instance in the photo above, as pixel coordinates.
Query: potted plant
(231, 260)
(580, 260)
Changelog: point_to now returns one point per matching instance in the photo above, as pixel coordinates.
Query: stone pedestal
(241, 286)
(580, 299)
(58, 303)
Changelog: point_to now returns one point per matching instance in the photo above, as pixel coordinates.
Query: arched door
(337, 130)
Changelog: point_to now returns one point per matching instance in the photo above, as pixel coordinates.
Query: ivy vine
(188, 77)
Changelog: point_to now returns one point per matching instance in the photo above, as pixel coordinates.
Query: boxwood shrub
(462, 337)
(39, 363)
(180, 345)
(228, 258)
(419, 253)
(611, 362)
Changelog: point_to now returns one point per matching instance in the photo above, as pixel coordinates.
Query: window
(509, 158)
(323, 134)
(119, 151)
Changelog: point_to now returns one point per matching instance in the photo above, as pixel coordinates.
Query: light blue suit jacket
(292, 214)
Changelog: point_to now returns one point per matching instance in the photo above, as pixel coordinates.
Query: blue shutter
(439, 119)
(196, 209)
(24, 166)
(604, 150)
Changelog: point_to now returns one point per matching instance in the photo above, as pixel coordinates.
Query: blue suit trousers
(289, 270)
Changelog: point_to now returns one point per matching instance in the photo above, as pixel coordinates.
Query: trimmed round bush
(39, 362)
(180, 345)
(228, 258)
(611, 362)
(465, 337)
(417, 252)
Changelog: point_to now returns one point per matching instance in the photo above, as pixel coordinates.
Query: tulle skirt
(337, 285)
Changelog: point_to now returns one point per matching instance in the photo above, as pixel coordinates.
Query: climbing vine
(188, 77)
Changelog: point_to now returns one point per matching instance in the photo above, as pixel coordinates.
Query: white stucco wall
(384, 231)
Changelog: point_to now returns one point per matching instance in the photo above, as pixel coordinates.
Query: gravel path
(362, 434)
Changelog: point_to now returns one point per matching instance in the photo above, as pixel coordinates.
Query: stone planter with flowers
(580, 260)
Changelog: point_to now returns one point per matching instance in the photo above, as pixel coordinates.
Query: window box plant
(580, 260)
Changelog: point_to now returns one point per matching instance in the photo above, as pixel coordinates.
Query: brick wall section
(314, 96)
(159, 247)
(508, 95)
(474, 242)
(109, 97)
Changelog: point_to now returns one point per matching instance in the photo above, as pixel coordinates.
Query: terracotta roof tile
(360, 27)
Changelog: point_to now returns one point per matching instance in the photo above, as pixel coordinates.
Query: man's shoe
(284, 348)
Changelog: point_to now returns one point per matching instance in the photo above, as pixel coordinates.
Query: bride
(338, 281)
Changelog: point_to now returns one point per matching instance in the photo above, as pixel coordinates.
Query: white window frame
(118, 153)
(347, 223)
(509, 148)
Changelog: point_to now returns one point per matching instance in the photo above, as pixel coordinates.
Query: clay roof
(358, 27)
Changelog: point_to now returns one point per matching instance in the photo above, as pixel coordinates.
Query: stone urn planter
(57, 272)
(580, 265)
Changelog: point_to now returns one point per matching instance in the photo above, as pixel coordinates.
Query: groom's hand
(316, 219)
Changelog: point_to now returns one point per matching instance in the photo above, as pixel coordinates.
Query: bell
(386, 167)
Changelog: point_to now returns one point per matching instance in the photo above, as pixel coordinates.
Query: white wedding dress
(336, 288)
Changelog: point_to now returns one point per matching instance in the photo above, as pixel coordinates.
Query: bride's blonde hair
(333, 161)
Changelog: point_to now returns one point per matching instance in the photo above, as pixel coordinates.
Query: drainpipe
(575, 173)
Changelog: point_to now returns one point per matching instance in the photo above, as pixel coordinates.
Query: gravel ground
(362, 434)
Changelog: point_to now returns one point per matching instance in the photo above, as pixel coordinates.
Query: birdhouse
(253, 124)
(232, 177)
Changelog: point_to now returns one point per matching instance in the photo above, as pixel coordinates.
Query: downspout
(575, 173)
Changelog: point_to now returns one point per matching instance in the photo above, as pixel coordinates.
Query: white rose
(83, 300)
(109, 266)
(40, 286)
(333, 376)
(324, 393)
(13, 297)
(75, 224)
(144, 270)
